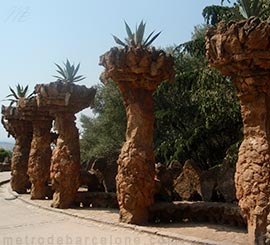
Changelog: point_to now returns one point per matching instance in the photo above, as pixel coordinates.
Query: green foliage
(215, 13)
(241, 9)
(4, 153)
(104, 133)
(136, 39)
(68, 73)
(198, 116)
(259, 8)
(21, 92)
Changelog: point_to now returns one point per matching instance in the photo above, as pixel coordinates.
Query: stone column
(19, 162)
(136, 169)
(65, 163)
(252, 177)
(241, 50)
(40, 158)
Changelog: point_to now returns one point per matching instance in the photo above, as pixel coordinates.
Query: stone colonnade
(30, 124)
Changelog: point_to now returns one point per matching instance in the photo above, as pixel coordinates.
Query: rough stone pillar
(252, 177)
(137, 71)
(65, 163)
(241, 50)
(40, 159)
(136, 165)
(19, 179)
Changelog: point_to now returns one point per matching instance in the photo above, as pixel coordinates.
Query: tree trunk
(19, 163)
(65, 165)
(253, 169)
(136, 169)
(40, 159)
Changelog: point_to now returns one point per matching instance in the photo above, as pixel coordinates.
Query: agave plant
(136, 39)
(21, 92)
(248, 8)
(69, 73)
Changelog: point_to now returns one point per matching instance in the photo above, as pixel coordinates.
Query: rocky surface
(38, 168)
(241, 50)
(216, 184)
(65, 162)
(138, 72)
(188, 184)
(21, 130)
(63, 96)
(19, 162)
(40, 158)
(211, 212)
(62, 100)
(90, 181)
(96, 199)
(5, 166)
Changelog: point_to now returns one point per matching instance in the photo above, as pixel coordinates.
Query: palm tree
(137, 69)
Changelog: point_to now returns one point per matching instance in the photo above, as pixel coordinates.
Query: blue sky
(35, 34)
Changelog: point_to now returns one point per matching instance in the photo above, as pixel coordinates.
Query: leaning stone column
(19, 162)
(40, 158)
(63, 100)
(137, 72)
(242, 50)
(65, 164)
(22, 131)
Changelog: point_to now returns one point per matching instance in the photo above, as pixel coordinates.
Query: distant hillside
(6, 145)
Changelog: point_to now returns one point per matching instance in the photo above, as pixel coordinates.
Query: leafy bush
(4, 154)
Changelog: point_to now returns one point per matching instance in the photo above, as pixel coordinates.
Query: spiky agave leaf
(146, 40)
(129, 32)
(21, 93)
(248, 8)
(139, 34)
(25, 90)
(151, 40)
(118, 41)
(76, 69)
(68, 72)
(13, 94)
(136, 39)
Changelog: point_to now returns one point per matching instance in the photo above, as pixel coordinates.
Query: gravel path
(23, 221)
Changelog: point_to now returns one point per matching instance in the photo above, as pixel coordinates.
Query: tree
(241, 9)
(4, 154)
(104, 133)
(198, 116)
(248, 8)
